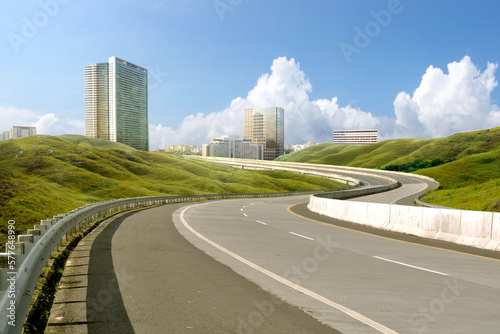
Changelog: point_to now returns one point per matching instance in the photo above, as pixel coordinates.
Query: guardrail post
(37, 234)
(4, 263)
(27, 239)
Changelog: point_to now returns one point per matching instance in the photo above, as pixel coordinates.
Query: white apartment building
(355, 137)
(18, 132)
(233, 147)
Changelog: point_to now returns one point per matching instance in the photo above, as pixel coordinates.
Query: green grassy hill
(471, 182)
(42, 176)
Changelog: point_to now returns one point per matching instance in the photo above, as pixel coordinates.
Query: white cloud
(44, 123)
(287, 87)
(442, 105)
(445, 104)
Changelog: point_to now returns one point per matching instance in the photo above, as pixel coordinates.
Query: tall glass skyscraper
(266, 126)
(116, 103)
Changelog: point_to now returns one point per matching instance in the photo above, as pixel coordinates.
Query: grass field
(42, 176)
(471, 182)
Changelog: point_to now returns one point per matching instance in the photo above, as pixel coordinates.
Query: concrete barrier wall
(471, 228)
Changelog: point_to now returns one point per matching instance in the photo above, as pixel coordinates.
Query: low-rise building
(233, 147)
(5, 135)
(18, 132)
(182, 149)
(355, 137)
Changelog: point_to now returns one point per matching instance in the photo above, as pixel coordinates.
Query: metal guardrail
(16, 299)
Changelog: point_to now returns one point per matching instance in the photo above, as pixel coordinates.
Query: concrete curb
(69, 310)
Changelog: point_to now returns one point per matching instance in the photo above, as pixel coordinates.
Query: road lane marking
(300, 235)
(245, 215)
(409, 265)
(353, 314)
(289, 209)
(261, 222)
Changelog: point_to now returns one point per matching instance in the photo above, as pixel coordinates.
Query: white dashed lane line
(411, 266)
(300, 235)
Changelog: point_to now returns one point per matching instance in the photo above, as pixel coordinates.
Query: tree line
(417, 164)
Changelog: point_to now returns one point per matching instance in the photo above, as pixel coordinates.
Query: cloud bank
(47, 124)
(442, 105)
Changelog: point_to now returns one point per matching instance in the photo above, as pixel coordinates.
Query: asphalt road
(353, 281)
(267, 268)
(144, 277)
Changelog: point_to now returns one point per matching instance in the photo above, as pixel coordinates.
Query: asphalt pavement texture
(144, 277)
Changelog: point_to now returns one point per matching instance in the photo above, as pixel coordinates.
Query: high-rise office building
(266, 126)
(116, 103)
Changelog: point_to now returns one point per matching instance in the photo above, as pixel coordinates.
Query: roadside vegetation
(467, 165)
(42, 176)
(417, 164)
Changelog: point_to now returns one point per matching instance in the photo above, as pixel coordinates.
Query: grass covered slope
(42, 176)
(471, 182)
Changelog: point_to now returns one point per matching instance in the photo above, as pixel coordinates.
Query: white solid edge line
(409, 265)
(300, 235)
(361, 318)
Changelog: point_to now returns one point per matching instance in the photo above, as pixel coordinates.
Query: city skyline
(408, 68)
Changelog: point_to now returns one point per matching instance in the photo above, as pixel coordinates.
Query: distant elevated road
(412, 185)
(289, 273)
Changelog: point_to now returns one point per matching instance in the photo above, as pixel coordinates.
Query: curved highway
(352, 281)
(278, 271)
(412, 185)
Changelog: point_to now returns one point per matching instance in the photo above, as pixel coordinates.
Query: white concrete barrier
(494, 243)
(471, 228)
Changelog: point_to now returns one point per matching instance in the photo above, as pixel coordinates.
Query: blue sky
(208, 59)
